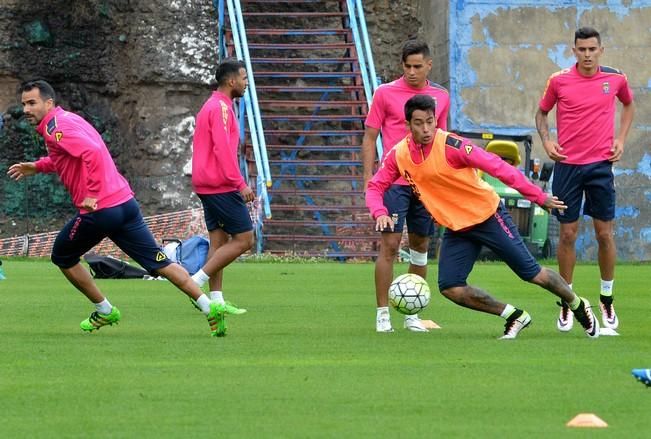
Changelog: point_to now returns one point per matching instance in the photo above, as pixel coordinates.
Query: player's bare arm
(20, 170)
(552, 148)
(368, 152)
(382, 222)
(626, 120)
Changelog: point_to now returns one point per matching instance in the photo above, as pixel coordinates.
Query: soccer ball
(409, 293)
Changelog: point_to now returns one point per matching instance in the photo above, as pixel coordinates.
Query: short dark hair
(45, 89)
(227, 69)
(583, 33)
(419, 102)
(415, 47)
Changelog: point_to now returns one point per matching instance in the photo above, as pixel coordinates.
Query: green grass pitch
(305, 362)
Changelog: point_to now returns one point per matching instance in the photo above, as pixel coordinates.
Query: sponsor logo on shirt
(58, 135)
(160, 256)
(224, 114)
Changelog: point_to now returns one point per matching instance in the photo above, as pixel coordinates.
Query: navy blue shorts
(402, 204)
(459, 250)
(595, 180)
(226, 211)
(122, 224)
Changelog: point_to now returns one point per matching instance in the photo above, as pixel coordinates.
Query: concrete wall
(501, 54)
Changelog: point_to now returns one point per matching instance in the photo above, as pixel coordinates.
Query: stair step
(306, 75)
(303, 61)
(309, 88)
(315, 148)
(329, 177)
(309, 104)
(321, 133)
(301, 46)
(315, 238)
(300, 162)
(314, 118)
(273, 2)
(295, 14)
(297, 32)
(313, 208)
(315, 193)
(307, 223)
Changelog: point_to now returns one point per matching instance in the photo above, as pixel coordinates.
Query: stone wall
(501, 56)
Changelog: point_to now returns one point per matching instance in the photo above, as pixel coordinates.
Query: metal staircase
(312, 84)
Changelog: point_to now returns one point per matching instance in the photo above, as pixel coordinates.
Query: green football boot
(217, 317)
(97, 320)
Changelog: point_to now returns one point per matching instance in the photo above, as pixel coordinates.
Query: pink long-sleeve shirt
(77, 153)
(465, 155)
(215, 168)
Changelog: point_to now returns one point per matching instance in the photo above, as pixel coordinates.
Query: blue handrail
(250, 107)
(365, 55)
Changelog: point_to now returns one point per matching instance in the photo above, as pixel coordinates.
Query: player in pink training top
(587, 147)
(77, 153)
(218, 182)
(387, 116)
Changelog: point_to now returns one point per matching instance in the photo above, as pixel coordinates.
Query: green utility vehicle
(532, 220)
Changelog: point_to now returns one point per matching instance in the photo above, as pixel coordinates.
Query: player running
(107, 208)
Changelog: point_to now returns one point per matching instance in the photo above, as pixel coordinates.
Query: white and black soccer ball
(409, 293)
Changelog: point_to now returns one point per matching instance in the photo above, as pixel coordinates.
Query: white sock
(104, 307)
(217, 296)
(508, 310)
(382, 311)
(607, 287)
(204, 303)
(570, 285)
(200, 278)
(412, 317)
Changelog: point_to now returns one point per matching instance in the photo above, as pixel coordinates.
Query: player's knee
(388, 250)
(245, 241)
(417, 258)
(64, 262)
(568, 237)
(453, 293)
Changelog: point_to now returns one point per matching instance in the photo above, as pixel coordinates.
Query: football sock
(104, 307)
(575, 303)
(217, 296)
(607, 287)
(381, 310)
(200, 278)
(570, 285)
(204, 303)
(508, 310)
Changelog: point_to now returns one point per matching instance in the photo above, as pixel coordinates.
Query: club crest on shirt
(605, 87)
(51, 126)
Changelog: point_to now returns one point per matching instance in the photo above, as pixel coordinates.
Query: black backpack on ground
(107, 267)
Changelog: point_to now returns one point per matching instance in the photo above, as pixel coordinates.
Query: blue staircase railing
(365, 54)
(250, 108)
(362, 68)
